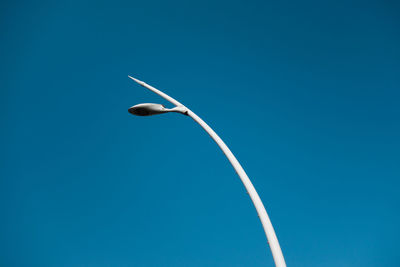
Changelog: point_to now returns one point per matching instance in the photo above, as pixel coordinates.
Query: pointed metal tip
(136, 80)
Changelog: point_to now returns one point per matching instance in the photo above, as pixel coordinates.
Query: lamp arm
(158, 92)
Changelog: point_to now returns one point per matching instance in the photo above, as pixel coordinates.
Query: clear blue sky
(305, 93)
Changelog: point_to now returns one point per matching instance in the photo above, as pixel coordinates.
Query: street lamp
(149, 109)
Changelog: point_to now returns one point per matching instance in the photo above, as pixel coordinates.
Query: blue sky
(305, 93)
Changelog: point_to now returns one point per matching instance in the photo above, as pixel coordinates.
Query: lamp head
(147, 109)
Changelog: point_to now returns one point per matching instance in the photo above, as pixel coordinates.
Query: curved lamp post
(149, 109)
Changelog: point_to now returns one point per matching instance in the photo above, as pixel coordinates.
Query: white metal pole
(262, 213)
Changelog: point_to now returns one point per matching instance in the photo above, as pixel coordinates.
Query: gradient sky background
(305, 93)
